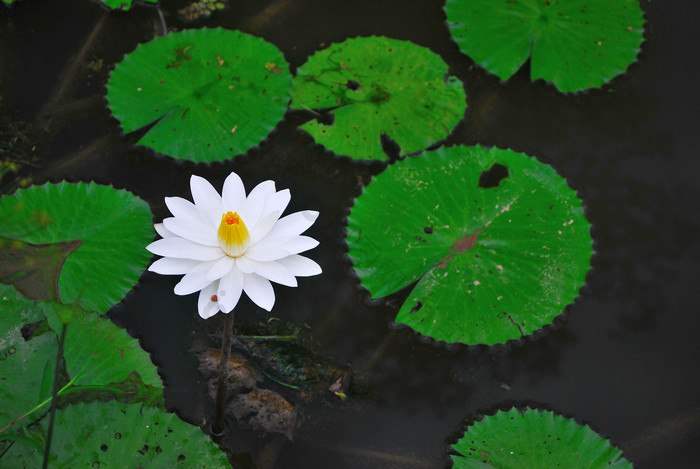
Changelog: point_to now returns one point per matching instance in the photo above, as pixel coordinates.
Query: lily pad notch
(524, 438)
(496, 243)
(574, 45)
(209, 94)
(369, 89)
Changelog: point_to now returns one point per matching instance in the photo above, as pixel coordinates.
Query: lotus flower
(232, 243)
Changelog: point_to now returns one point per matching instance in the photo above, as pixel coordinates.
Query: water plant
(497, 242)
(369, 88)
(210, 94)
(574, 45)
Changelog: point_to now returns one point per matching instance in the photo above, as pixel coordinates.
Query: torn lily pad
(123, 4)
(105, 229)
(497, 242)
(528, 438)
(575, 45)
(374, 87)
(210, 94)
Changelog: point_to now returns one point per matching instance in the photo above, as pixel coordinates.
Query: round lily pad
(497, 242)
(113, 434)
(111, 228)
(378, 86)
(530, 438)
(211, 93)
(575, 45)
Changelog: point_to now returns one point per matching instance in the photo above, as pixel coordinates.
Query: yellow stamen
(233, 235)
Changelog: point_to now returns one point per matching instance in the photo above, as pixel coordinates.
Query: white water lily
(228, 244)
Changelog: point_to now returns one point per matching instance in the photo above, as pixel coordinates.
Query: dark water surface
(625, 360)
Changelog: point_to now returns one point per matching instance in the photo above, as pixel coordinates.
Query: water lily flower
(232, 243)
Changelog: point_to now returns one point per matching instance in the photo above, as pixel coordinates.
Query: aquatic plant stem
(54, 394)
(222, 386)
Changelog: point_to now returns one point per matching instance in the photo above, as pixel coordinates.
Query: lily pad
(378, 86)
(575, 45)
(97, 352)
(531, 438)
(497, 241)
(113, 434)
(22, 360)
(210, 94)
(112, 225)
(124, 4)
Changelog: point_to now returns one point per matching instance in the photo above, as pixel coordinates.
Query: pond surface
(624, 359)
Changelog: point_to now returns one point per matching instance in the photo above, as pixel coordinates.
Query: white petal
(194, 231)
(206, 307)
(259, 290)
(266, 252)
(300, 266)
(278, 202)
(194, 280)
(276, 272)
(263, 226)
(294, 224)
(222, 267)
(270, 270)
(233, 194)
(182, 208)
(269, 248)
(184, 249)
(207, 200)
(230, 288)
(162, 230)
(252, 208)
(173, 266)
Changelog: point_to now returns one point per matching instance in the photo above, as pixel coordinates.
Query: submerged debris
(201, 9)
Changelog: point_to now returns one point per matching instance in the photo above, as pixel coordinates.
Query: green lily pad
(532, 438)
(212, 93)
(575, 45)
(97, 352)
(112, 225)
(113, 434)
(378, 86)
(124, 4)
(22, 361)
(497, 241)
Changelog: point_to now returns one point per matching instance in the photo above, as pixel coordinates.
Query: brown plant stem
(222, 387)
(54, 394)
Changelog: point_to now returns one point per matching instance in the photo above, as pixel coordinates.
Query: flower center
(233, 235)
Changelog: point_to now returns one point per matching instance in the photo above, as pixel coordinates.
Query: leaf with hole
(113, 434)
(209, 94)
(575, 45)
(528, 438)
(497, 242)
(375, 87)
(111, 226)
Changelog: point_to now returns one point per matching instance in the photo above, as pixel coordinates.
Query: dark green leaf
(575, 45)
(497, 241)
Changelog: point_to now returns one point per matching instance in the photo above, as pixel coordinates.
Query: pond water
(623, 359)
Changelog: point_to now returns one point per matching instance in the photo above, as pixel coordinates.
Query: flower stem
(222, 386)
(54, 394)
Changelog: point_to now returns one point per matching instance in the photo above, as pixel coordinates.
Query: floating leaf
(124, 4)
(378, 86)
(22, 361)
(497, 241)
(575, 45)
(112, 434)
(97, 352)
(531, 438)
(212, 93)
(113, 226)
